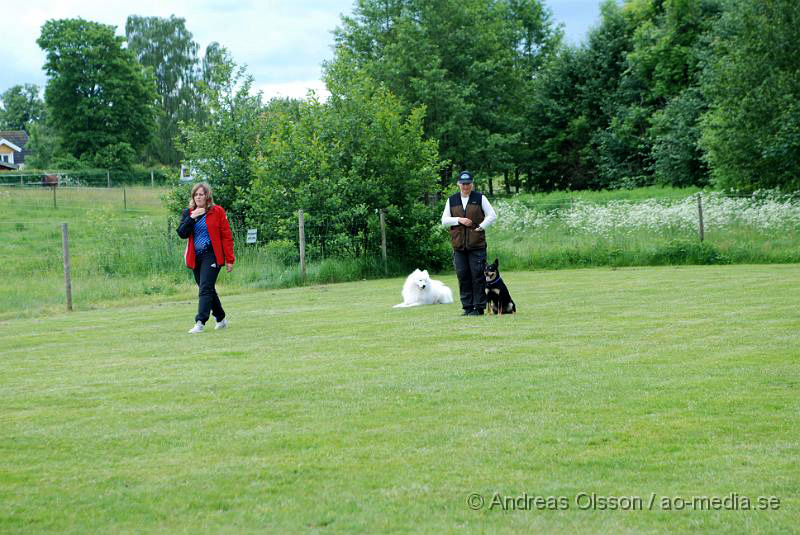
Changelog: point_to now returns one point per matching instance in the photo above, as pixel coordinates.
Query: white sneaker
(198, 328)
(221, 324)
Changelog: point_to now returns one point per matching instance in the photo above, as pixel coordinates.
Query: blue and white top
(201, 238)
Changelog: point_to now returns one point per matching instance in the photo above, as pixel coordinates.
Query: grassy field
(323, 410)
(645, 227)
(125, 251)
(121, 255)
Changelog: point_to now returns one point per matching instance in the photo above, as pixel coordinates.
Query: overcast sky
(282, 42)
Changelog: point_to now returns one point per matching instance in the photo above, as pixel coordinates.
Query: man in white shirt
(467, 214)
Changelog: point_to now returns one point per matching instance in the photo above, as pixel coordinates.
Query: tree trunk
(505, 182)
(516, 179)
(446, 176)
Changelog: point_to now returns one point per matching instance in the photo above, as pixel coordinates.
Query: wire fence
(124, 197)
(106, 178)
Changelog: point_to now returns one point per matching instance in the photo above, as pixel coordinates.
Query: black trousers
(205, 274)
(471, 281)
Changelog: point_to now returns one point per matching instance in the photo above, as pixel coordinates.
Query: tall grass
(129, 255)
(124, 247)
(546, 231)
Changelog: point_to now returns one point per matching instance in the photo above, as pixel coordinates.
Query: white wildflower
(764, 211)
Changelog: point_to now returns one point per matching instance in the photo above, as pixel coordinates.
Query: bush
(684, 251)
(284, 251)
(117, 157)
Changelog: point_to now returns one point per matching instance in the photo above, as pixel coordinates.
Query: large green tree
(97, 94)
(20, 105)
(573, 104)
(341, 161)
(752, 129)
(466, 61)
(223, 148)
(623, 109)
(166, 45)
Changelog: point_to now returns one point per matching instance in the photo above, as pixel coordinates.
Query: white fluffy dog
(420, 289)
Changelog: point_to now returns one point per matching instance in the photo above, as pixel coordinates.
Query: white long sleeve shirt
(489, 215)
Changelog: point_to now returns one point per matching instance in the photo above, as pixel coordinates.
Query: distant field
(114, 251)
(323, 410)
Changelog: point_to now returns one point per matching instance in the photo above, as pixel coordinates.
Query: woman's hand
(229, 267)
(198, 212)
(464, 221)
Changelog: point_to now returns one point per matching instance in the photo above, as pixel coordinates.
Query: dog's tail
(400, 305)
(447, 296)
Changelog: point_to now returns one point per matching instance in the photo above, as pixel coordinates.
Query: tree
(44, 145)
(559, 125)
(751, 131)
(167, 47)
(575, 99)
(223, 148)
(623, 109)
(339, 160)
(678, 159)
(670, 45)
(97, 94)
(342, 160)
(21, 105)
(465, 61)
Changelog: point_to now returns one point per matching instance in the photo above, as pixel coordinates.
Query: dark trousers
(205, 274)
(471, 281)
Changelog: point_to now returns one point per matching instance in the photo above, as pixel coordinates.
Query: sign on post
(251, 235)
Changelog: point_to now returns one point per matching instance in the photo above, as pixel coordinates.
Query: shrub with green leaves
(752, 129)
(342, 161)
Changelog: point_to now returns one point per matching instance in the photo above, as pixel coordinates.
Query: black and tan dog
(498, 299)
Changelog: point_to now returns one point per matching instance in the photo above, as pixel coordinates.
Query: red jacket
(219, 230)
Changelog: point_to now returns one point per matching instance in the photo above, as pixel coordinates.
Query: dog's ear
(497, 262)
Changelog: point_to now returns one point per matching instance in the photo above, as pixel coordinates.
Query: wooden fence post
(152, 180)
(67, 276)
(124, 199)
(383, 241)
(301, 223)
(169, 237)
(108, 177)
(54, 197)
(700, 217)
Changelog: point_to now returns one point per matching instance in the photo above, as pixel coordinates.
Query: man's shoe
(198, 328)
(477, 312)
(467, 312)
(221, 324)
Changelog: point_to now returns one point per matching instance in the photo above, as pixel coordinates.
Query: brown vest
(461, 237)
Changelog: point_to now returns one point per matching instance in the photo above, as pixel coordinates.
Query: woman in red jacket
(210, 246)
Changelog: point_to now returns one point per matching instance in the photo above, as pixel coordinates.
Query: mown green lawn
(324, 410)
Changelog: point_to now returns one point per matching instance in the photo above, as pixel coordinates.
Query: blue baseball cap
(465, 177)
